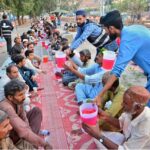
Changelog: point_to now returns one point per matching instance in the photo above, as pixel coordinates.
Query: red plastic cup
(108, 60)
(60, 59)
(45, 59)
(43, 44)
(46, 47)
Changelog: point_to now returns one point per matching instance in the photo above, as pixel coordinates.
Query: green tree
(19, 8)
(27, 7)
(70, 5)
(133, 7)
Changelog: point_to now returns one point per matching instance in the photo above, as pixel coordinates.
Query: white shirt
(3, 81)
(136, 131)
(30, 66)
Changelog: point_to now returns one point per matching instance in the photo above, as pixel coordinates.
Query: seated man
(5, 128)
(92, 76)
(25, 44)
(11, 73)
(17, 48)
(26, 127)
(27, 74)
(85, 57)
(55, 44)
(133, 123)
(31, 48)
(112, 101)
(29, 58)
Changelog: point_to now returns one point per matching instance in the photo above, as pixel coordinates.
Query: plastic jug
(108, 60)
(60, 59)
(43, 44)
(45, 59)
(46, 47)
(88, 113)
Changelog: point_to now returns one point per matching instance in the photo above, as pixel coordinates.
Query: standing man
(88, 30)
(6, 28)
(134, 45)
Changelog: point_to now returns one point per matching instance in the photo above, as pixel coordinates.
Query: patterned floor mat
(60, 115)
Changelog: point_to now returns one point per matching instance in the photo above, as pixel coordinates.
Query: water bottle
(44, 132)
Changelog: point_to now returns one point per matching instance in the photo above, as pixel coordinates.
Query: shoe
(80, 103)
(59, 74)
(44, 132)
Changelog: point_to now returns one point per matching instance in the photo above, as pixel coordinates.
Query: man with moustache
(88, 30)
(134, 46)
(5, 127)
(26, 127)
(133, 123)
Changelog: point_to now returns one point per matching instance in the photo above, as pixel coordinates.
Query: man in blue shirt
(135, 44)
(88, 30)
(91, 76)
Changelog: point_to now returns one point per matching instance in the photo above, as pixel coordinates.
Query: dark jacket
(5, 28)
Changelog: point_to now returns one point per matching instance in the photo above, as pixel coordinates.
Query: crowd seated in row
(122, 113)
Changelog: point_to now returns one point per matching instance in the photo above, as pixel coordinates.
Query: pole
(102, 7)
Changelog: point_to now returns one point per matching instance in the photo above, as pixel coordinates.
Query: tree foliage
(132, 7)
(34, 8)
(70, 5)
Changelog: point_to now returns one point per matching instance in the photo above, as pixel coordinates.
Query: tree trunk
(18, 18)
(22, 17)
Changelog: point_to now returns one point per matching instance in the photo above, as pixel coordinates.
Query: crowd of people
(123, 113)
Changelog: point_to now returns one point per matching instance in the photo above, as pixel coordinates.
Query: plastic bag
(2, 42)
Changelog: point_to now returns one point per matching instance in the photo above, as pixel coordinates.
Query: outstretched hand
(97, 100)
(68, 51)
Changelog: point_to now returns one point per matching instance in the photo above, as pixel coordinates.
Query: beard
(18, 102)
(80, 24)
(113, 37)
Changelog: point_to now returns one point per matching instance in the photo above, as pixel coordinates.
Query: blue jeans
(29, 81)
(68, 77)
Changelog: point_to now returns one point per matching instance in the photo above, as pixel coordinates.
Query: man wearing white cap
(133, 123)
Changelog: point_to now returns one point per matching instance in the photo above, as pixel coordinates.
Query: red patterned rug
(60, 113)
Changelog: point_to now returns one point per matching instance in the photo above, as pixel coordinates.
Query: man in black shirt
(6, 28)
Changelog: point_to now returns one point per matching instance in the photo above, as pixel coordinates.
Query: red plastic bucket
(88, 113)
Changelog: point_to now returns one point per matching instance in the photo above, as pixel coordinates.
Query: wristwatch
(101, 139)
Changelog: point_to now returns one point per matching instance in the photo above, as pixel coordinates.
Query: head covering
(112, 18)
(3, 116)
(138, 94)
(80, 13)
(102, 50)
(25, 40)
